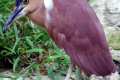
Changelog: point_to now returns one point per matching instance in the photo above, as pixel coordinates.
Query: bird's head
(22, 7)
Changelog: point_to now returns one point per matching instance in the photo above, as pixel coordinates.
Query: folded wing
(77, 29)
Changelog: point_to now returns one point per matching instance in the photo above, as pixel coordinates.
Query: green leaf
(51, 58)
(6, 76)
(27, 73)
(1, 31)
(6, 39)
(76, 72)
(8, 49)
(83, 75)
(58, 76)
(1, 52)
(31, 65)
(29, 42)
(38, 72)
(17, 41)
(34, 50)
(52, 66)
(15, 63)
(15, 32)
(50, 72)
(37, 37)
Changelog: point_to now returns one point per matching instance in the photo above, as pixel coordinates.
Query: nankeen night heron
(73, 26)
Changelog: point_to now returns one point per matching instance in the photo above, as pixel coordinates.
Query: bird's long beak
(14, 15)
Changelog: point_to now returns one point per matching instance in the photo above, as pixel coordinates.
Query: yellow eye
(25, 1)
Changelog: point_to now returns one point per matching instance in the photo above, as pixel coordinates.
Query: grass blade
(15, 32)
(83, 75)
(50, 72)
(58, 76)
(52, 58)
(34, 50)
(1, 31)
(15, 63)
(6, 76)
(15, 45)
(26, 75)
(38, 72)
(29, 42)
(76, 72)
(31, 65)
(6, 39)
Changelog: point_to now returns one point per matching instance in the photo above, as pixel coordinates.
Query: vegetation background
(27, 48)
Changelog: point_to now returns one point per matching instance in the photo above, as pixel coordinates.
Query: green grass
(23, 42)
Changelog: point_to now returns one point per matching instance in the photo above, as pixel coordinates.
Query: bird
(74, 27)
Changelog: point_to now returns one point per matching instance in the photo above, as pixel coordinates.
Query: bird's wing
(74, 26)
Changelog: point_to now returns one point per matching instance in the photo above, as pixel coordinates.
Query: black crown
(18, 2)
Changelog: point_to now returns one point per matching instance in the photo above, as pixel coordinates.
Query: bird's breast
(41, 16)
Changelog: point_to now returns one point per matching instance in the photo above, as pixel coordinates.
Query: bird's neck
(38, 16)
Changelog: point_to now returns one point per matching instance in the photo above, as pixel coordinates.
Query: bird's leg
(79, 74)
(69, 71)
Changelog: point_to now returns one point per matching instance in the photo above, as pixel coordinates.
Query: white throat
(48, 4)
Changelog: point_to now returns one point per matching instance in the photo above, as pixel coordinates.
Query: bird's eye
(25, 1)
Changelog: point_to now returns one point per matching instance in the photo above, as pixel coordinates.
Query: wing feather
(75, 27)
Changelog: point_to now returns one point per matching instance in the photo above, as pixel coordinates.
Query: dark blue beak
(14, 14)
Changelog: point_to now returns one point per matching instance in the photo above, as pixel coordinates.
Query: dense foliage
(28, 46)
